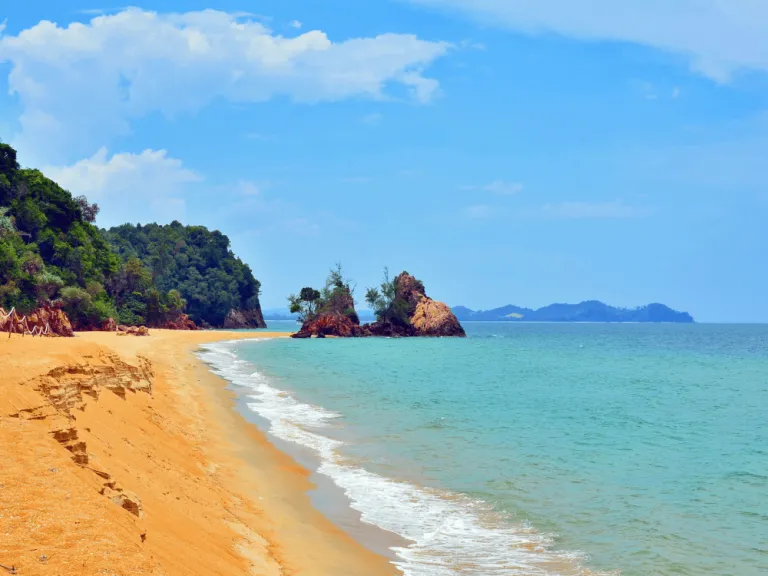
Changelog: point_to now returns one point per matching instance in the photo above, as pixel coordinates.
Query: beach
(123, 455)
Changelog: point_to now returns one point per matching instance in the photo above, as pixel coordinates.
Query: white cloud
(478, 212)
(588, 210)
(718, 37)
(124, 184)
(296, 24)
(81, 84)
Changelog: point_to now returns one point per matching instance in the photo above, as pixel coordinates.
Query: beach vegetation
(385, 303)
(51, 251)
(305, 304)
(336, 295)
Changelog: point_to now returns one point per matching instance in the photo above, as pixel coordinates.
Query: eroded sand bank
(122, 455)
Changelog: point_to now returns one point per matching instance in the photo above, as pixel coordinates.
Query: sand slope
(122, 455)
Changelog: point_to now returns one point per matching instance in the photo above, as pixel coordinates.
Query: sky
(503, 151)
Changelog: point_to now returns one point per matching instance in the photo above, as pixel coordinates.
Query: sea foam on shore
(449, 534)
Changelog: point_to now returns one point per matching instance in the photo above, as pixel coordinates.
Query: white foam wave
(449, 534)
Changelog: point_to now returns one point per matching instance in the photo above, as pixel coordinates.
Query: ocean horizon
(533, 448)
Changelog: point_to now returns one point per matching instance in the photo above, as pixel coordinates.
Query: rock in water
(435, 319)
(423, 316)
(413, 314)
(331, 324)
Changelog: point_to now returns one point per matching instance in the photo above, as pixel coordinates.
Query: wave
(449, 534)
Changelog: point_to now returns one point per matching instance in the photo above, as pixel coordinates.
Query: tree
(88, 211)
(7, 226)
(381, 299)
(306, 304)
(193, 260)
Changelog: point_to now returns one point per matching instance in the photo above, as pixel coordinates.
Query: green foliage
(49, 248)
(48, 285)
(85, 310)
(193, 260)
(305, 304)
(385, 303)
(45, 244)
(7, 227)
(335, 296)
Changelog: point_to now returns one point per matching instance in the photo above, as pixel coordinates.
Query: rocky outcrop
(431, 318)
(244, 318)
(419, 314)
(337, 317)
(332, 324)
(412, 314)
(45, 321)
(181, 322)
(132, 331)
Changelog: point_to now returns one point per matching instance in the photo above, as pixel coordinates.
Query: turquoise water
(538, 448)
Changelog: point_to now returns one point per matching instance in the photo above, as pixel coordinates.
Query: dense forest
(196, 262)
(51, 252)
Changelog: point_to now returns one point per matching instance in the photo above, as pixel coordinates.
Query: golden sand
(123, 455)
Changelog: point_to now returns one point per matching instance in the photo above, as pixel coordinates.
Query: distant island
(589, 311)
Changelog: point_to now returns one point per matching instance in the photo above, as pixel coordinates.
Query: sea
(532, 449)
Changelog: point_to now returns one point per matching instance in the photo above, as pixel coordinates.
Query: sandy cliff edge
(123, 455)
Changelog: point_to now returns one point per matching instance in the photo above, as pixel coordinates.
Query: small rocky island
(402, 309)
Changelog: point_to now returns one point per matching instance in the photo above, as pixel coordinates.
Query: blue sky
(504, 151)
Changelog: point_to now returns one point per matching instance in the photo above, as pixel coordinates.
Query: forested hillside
(52, 252)
(196, 262)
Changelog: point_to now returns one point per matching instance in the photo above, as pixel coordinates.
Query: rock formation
(411, 314)
(244, 318)
(419, 316)
(132, 331)
(337, 317)
(45, 321)
(181, 322)
(331, 324)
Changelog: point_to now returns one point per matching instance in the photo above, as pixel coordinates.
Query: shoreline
(149, 422)
(325, 495)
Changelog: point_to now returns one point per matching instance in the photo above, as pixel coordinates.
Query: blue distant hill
(589, 311)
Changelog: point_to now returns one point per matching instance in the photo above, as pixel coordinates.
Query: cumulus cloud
(718, 37)
(81, 84)
(124, 185)
(589, 210)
